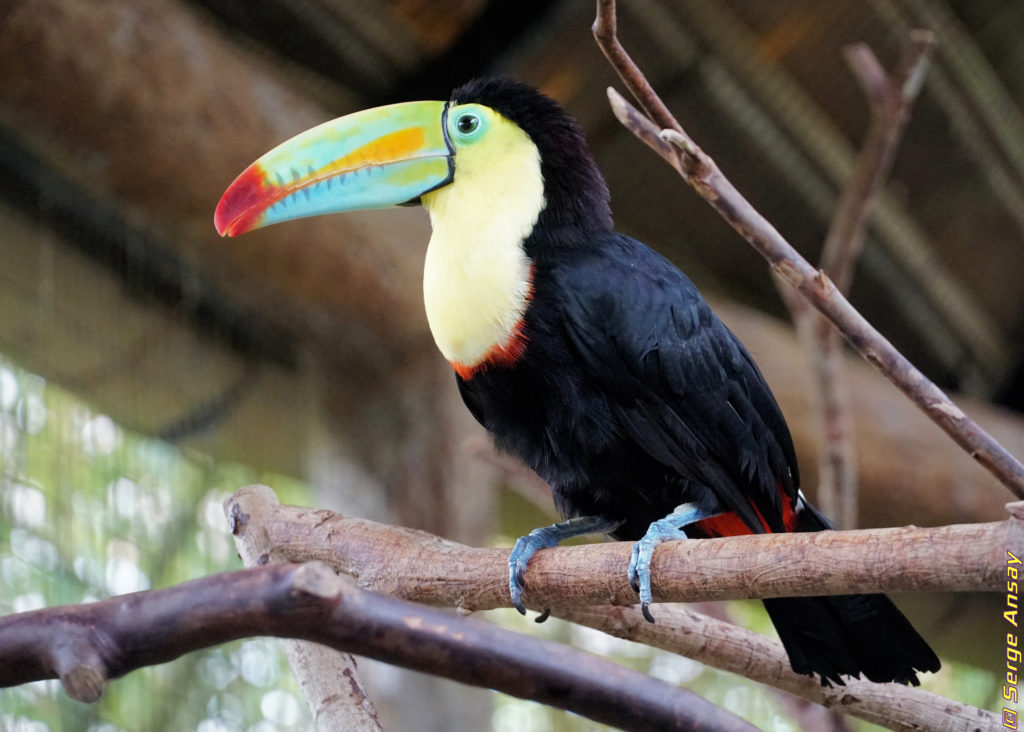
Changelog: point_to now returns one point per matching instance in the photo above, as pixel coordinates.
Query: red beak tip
(223, 227)
(227, 219)
(229, 231)
(239, 207)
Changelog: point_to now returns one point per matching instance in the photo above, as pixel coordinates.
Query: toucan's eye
(467, 124)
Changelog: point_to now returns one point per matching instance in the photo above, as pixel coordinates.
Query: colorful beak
(371, 159)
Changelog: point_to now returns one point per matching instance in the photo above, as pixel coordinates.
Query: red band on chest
(499, 356)
(503, 355)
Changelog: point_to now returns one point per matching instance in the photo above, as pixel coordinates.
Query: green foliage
(88, 510)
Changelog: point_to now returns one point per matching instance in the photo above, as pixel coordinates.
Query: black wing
(681, 384)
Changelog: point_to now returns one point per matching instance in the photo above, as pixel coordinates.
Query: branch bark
(419, 566)
(666, 137)
(85, 645)
(328, 679)
(889, 100)
(732, 648)
(578, 583)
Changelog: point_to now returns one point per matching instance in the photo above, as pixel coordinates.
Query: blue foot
(666, 529)
(544, 538)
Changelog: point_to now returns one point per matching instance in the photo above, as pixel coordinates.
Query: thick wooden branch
(578, 583)
(666, 137)
(419, 566)
(328, 678)
(85, 645)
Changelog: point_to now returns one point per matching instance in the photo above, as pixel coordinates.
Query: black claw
(634, 584)
(646, 610)
(519, 606)
(543, 616)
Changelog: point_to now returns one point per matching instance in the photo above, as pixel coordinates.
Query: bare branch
(666, 137)
(889, 100)
(732, 648)
(705, 177)
(868, 71)
(328, 679)
(89, 644)
(837, 462)
(419, 566)
(85, 645)
(605, 30)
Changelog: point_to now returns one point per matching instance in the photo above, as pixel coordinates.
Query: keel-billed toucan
(583, 352)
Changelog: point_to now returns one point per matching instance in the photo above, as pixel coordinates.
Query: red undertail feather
(730, 524)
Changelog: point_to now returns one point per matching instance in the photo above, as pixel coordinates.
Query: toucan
(582, 351)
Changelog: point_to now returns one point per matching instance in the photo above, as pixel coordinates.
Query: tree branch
(419, 566)
(668, 139)
(889, 100)
(85, 645)
(744, 652)
(705, 177)
(328, 679)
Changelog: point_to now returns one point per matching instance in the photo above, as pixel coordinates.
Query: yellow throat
(476, 277)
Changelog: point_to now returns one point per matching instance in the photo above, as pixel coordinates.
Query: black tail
(848, 635)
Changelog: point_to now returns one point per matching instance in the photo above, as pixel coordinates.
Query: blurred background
(149, 368)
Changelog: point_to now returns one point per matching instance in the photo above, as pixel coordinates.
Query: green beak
(371, 159)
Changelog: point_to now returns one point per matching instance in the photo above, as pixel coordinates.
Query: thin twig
(85, 645)
(605, 30)
(705, 177)
(668, 139)
(837, 462)
(889, 100)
